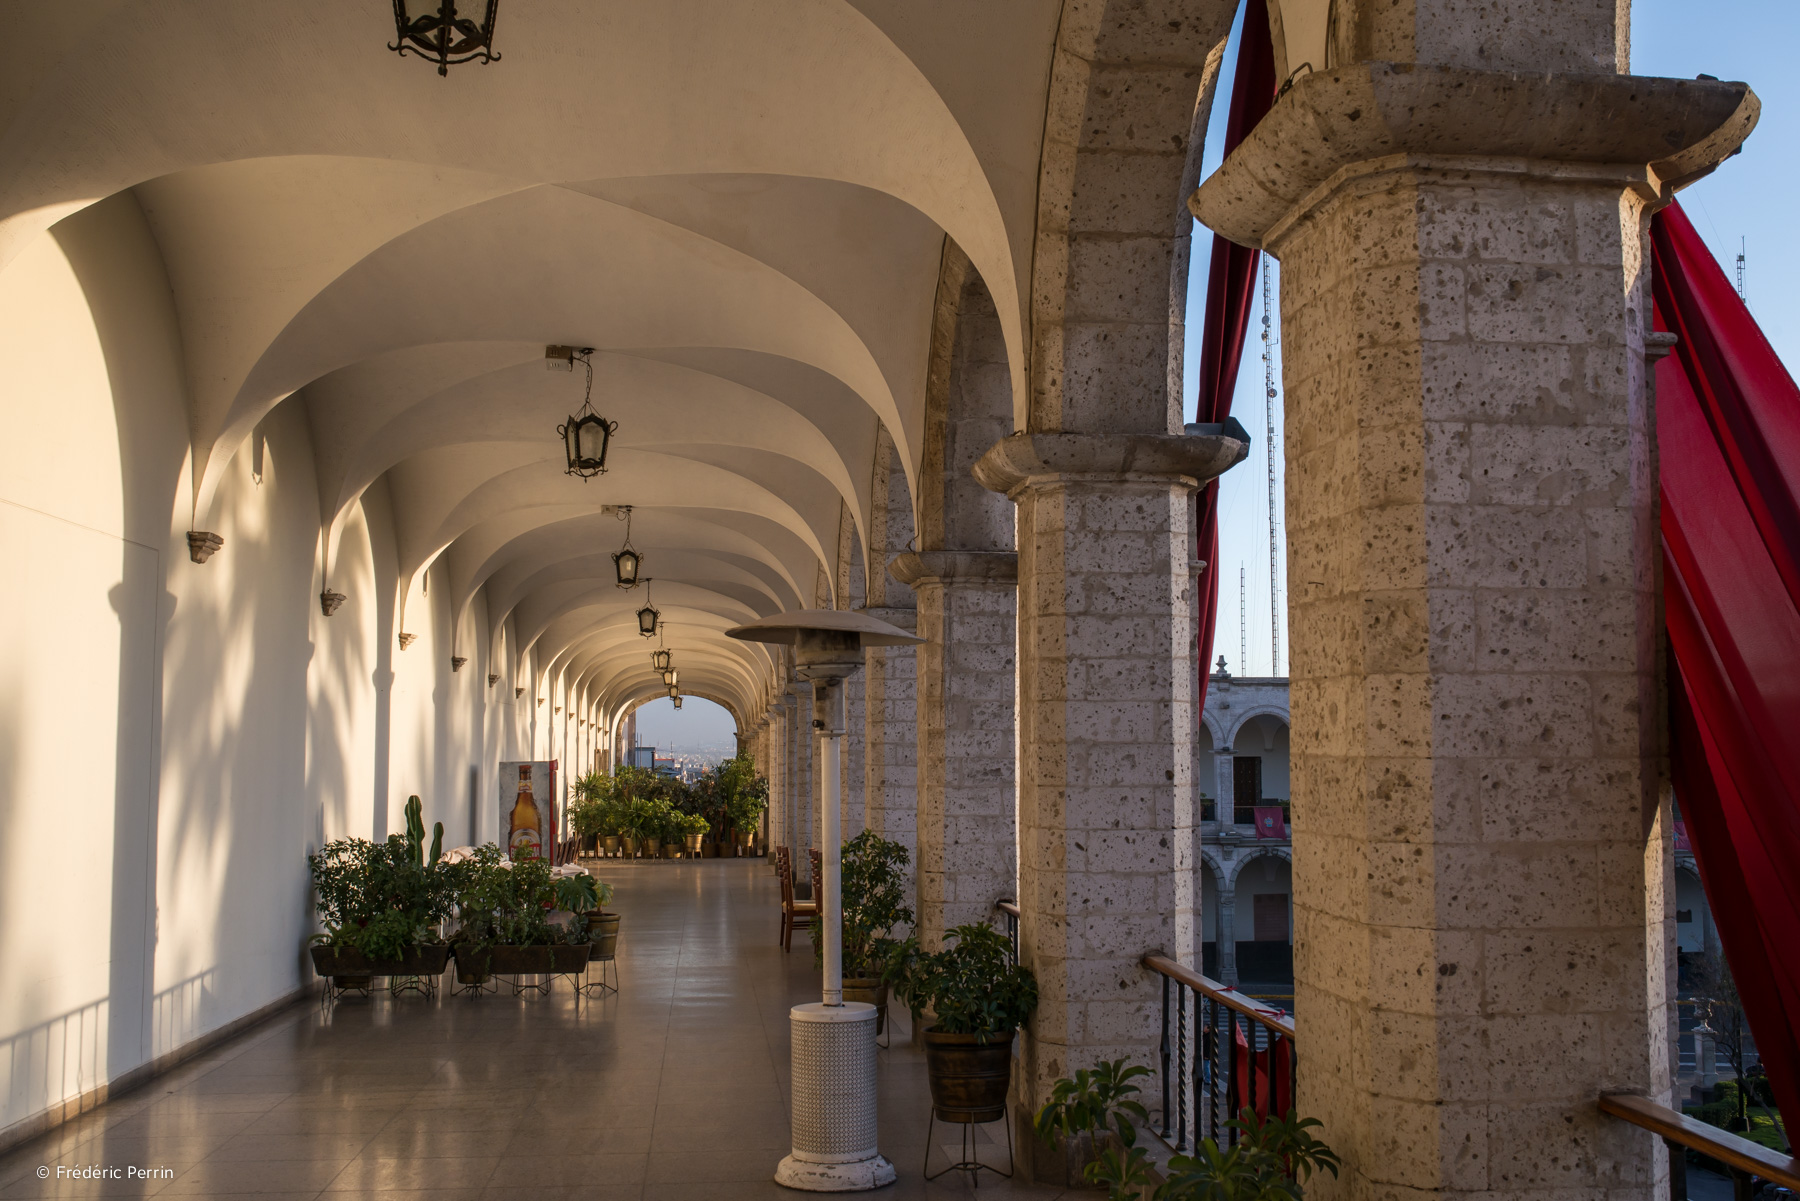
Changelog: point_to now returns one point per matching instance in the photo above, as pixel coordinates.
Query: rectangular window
(1246, 788)
(1269, 912)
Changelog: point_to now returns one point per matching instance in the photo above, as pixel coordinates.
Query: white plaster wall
(175, 737)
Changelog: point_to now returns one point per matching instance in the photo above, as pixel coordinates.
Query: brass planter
(869, 989)
(610, 844)
(603, 934)
(653, 848)
(693, 844)
(968, 1079)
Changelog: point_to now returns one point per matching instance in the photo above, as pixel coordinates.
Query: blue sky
(1750, 197)
(698, 724)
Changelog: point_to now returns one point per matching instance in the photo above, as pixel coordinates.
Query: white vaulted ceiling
(741, 204)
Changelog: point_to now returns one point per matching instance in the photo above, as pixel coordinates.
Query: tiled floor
(675, 1089)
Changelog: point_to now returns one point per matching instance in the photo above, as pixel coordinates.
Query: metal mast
(1243, 623)
(1269, 441)
(1742, 244)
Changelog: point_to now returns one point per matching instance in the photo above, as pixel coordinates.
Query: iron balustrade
(1010, 910)
(1747, 1162)
(1221, 1052)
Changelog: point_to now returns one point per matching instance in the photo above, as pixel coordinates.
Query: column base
(857, 1177)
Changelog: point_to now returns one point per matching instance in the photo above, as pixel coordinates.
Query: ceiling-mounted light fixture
(444, 35)
(626, 561)
(677, 701)
(671, 677)
(586, 434)
(661, 660)
(674, 693)
(648, 618)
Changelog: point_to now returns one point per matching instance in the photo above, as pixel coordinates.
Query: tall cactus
(437, 842)
(415, 832)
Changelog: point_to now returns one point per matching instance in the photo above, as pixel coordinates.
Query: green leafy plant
(502, 902)
(580, 893)
(383, 898)
(973, 986)
(593, 811)
(743, 795)
(872, 887)
(1272, 1159)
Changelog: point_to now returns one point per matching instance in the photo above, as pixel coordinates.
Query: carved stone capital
(1019, 461)
(329, 601)
(962, 566)
(493, 678)
(518, 692)
(457, 661)
(1666, 132)
(202, 545)
(407, 640)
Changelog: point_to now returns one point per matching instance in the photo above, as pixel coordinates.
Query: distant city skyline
(700, 725)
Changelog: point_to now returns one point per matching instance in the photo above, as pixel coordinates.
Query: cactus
(415, 831)
(437, 842)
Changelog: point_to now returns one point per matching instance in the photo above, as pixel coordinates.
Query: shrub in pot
(381, 904)
(979, 998)
(872, 901)
(504, 911)
(1271, 1161)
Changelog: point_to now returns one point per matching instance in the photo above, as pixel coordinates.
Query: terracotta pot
(871, 990)
(968, 1080)
(611, 844)
(603, 934)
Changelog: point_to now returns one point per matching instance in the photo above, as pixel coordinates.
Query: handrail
(1009, 908)
(1679, 1129)
(1229, 997)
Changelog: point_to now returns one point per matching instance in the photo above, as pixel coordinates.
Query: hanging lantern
(626, 561)
(674, 693)
(661, 659)
(586, 435)
(677, 701)
(671, 677)
(647, 618)
(444, 35)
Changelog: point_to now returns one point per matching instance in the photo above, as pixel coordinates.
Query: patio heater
(834, 1141)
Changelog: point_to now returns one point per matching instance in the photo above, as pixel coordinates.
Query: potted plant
(872, 900)
(979, 998)
(380, 905)
(744, 795)
(591, 812)
(1096, 1116)
(504, 908)
(692, 827)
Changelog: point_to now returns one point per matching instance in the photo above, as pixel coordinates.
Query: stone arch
(1131, 86)
(1252, 854)
(1279, 712)
(1210, 724)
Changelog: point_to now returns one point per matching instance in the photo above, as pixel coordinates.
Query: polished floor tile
(674, 1089)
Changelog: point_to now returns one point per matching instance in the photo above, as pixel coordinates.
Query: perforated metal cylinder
(834, 1082)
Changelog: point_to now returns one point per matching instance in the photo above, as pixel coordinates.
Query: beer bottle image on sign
(522, 840)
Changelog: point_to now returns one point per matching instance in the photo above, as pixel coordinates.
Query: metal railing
(1010, 910)
(1747, 1162)
(1221, 1052)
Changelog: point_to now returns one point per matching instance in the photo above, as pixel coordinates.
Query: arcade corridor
(675, 1089)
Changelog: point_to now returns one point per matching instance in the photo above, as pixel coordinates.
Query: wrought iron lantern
(674, 693)
(586, 435)
(648, 618)
(444, 35)
(626, 561)
(677, 701)
(662, 659)
(671, 677)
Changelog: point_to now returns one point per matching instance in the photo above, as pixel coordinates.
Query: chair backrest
(787, 889)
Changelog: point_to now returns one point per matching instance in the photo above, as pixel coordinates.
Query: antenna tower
(1742, 244)
(1269, 341)
(1243, 625)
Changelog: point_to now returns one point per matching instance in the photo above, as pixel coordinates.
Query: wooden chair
(793, 913)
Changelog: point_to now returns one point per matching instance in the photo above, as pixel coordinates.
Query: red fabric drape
(1230, 283)
(1728, 430)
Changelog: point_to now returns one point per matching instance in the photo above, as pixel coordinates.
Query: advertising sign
(528, 807)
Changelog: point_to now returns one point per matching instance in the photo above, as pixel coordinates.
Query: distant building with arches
(1247, 904)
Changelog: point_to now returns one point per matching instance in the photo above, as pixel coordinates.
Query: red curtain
(1728, 432)
(1230, 283)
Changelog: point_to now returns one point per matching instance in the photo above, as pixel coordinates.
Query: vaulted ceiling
(741, 204)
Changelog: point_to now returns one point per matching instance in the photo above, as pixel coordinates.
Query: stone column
(1471, 488)
(1107, 813)
(967, 840)
(890, 739)
(1227, 935)
(1226, 785)
(800, 799)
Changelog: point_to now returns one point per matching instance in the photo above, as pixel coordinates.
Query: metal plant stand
(597, 985)
(971, 1160)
